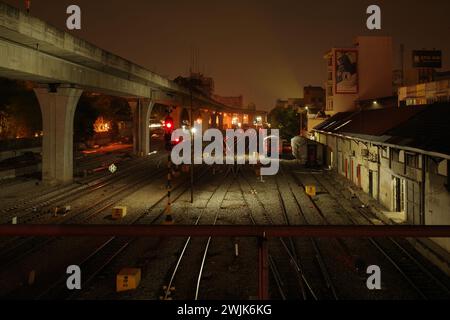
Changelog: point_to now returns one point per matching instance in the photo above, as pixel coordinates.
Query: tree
(20, 114)
(287, 120)
(85, 117)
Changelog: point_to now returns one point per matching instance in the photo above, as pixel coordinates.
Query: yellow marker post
(128, 279)
(311, 191)
(119, 212)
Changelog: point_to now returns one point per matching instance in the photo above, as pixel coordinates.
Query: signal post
(168, 130)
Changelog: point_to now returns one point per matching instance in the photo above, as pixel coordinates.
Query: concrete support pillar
(58, 113)
(206, 116)
(141, 110)
(214, 120)
(227, 120)
(251, 119)
(176, 116)
(220, 115)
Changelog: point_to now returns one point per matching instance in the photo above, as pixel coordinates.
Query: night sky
(263, 49)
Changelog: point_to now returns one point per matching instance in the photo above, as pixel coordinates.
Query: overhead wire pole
(168, 124)
(192, 143)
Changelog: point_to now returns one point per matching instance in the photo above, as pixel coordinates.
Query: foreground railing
(263, 233)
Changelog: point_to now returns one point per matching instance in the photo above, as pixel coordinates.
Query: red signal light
(168, 128)
(168, 124)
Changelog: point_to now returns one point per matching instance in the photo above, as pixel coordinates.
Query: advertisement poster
(346, 71)
(427, 59)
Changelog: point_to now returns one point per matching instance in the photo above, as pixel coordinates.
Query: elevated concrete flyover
(31, 49)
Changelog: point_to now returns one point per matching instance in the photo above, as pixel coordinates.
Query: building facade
(425, 93)
(357, 73)
(402, 162)
(314, 98)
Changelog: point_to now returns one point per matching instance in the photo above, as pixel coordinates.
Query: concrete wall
(437, 202)
(375, 67)
(15, 153)
(19, 172)
(343, 103)
(386, 186)
(437, 197)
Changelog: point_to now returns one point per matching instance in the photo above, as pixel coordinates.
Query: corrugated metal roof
(378, 121)
(424, 127)
(429, 130)
(330, 123)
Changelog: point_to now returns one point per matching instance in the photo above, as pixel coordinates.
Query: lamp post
(301, 118)
(191, 112)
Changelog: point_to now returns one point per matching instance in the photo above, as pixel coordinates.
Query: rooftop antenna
(192, 61)
(402, 62)
(196, 60)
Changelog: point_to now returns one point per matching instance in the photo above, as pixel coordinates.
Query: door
(399, 194)
(352, 172)
(331, 159)
(358, 175)
(413, 202)
(371, 183)
(346, 168)
(312, 155)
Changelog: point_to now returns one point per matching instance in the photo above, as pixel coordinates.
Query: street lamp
(301, 118)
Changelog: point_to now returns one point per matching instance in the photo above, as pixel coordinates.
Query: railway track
(193, 247)
(424, 282)
(312, 260)
(22, 247)
(33, 204)
(98, 259)
(288, 286)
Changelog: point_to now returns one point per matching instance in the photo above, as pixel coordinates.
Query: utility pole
(402, 62)
(192, 142)
(168, 130)
(301, 118)
(301, 122)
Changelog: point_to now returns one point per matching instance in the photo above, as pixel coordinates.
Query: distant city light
(101, 125)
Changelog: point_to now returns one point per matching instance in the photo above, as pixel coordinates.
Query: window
(330, 91)
(442, 168)
(401, 156)
(412, 161)
(395, 155)
(330, 105)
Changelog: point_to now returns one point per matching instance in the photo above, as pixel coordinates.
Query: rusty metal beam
(327, 231)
